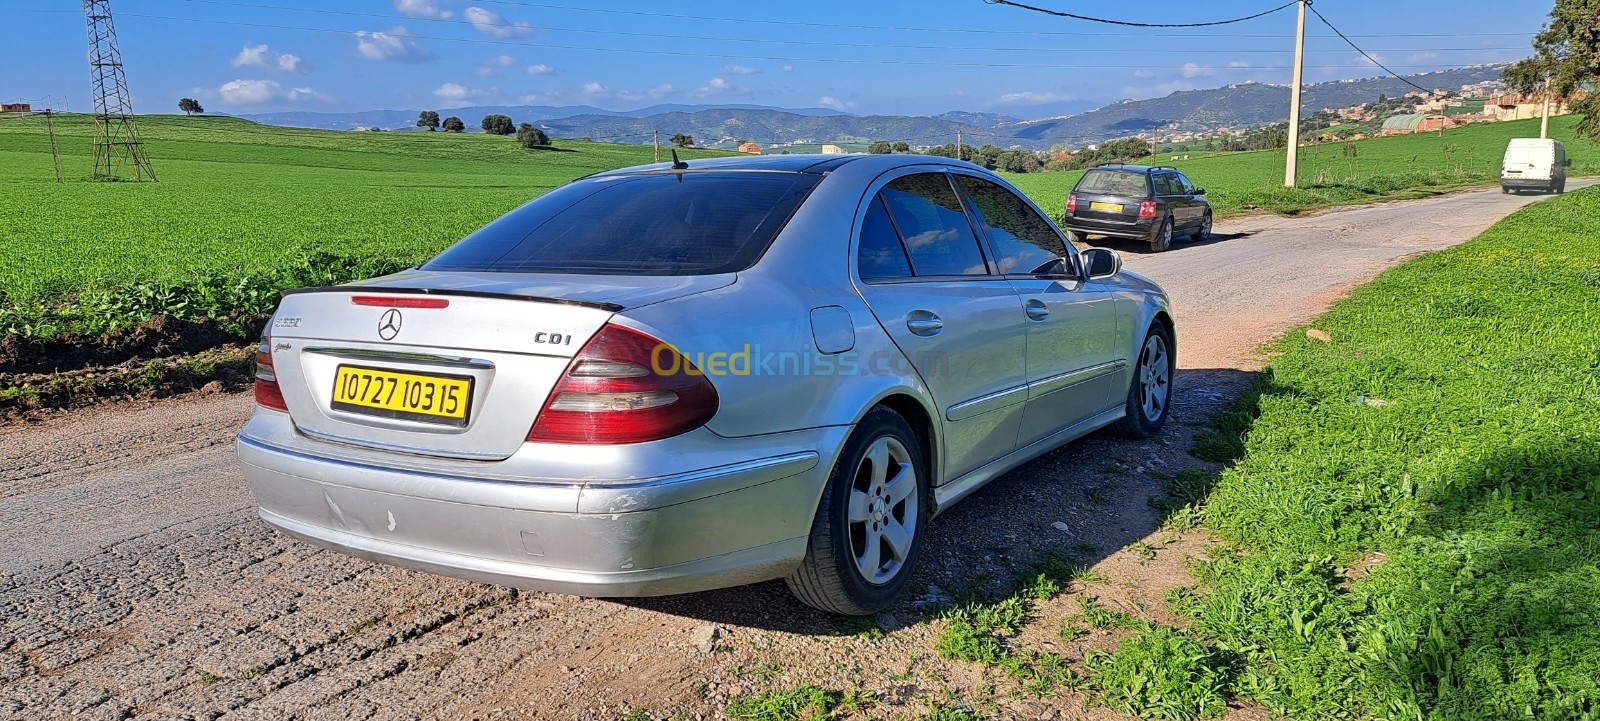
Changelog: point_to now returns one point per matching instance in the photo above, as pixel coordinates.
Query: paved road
(136, 582)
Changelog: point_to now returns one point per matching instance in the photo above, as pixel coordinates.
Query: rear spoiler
(611, 307)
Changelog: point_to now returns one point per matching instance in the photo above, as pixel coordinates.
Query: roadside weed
(1161, 674)
(805, 703)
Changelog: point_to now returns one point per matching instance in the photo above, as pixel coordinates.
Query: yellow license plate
(1107, 207)
(409, 396)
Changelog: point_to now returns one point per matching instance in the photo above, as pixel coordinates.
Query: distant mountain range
(1242, 105)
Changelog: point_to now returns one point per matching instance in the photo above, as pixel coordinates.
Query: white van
(1535, 163)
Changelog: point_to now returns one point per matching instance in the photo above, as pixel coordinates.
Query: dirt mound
(226, 369)
(161, 337)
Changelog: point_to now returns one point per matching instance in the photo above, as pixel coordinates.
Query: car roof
(808, 163)
(1132, 168)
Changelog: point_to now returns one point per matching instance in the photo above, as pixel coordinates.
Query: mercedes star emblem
(389, 324)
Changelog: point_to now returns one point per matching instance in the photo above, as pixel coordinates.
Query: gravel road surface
(136, 582)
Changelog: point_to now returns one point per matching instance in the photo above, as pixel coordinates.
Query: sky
(884, 57)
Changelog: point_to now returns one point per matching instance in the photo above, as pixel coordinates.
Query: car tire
(1162, 240)
(1202, 232)
(1505, 190)
(851, 533)
(1561, 189)
(1150, 391)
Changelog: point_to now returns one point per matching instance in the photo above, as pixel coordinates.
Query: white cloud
(491, 67)
(541, 69)
(1191, 70)
(261, 56)
(1031, 97)
(828, 101)
(739, 70)
(452, 91)
(1143, 74)
(392, 44)
(1421, 57)
(788, 68)
(593, 88)
(1239, 64)
(490, 23)
(424, 9)
(258, 92)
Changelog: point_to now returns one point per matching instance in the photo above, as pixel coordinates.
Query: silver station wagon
(681, 377)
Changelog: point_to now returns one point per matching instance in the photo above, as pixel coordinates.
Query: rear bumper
(715, 527)
(1529, 182)
(1141, 229)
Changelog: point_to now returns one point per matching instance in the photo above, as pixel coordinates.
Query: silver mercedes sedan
(673, 378)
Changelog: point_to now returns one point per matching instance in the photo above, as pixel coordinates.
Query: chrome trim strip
(984, 404)
(1055, 383)
(777, 466)
(363, 354)
(955, 490)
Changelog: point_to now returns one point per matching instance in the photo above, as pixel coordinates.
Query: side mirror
(1199, 191)
(1100, 262)
(1567, 162)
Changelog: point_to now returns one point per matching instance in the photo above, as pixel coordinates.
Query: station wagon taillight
(625, 387)
(1072, 202)
(1147, 209)
(268, 394)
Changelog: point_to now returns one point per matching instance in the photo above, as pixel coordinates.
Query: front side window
(1183, 182)
(648, 224)
(928, 214)
(1114, 182)
(1022, 240)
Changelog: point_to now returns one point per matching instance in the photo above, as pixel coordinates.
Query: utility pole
(657, 135)
(1544, 122)
(1289, 166)
(958, 145)
(55, 154)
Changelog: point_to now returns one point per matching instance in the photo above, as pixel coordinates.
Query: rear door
(1071, 325)
(925, 277)
(1169, 193)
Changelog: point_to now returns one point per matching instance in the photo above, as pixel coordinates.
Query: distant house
(1521, 106)
(751, 148)
(832, 150)
(16, 108)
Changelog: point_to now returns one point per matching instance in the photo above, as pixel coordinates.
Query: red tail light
(1147, 209)
(625, 387)
(268, 394)
(1072, 202)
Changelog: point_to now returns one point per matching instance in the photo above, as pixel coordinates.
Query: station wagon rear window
(1114, 182)
(694, 223)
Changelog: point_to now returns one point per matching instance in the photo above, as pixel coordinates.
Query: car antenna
(678, 164)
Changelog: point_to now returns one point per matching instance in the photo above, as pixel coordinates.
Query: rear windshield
(1114, 182)
(655, 224)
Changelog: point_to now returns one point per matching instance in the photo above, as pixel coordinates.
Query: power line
(703, 54)
(786, 41)
(1363, 52)
(1126, 23)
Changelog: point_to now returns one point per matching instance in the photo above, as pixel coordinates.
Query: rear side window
(930, 219)
(1114, 182)
(1022, 240)
(1167, 185)
(880, 256)
(655, 224)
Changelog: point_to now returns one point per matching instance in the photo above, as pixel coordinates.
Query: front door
(1071, 325)
(927, 281)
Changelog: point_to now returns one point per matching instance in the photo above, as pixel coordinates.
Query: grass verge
(1417, 504)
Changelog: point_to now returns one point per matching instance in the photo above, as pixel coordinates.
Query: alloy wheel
(1155, 377)
(882, 511)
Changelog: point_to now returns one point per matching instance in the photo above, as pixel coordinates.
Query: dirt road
(135, 581)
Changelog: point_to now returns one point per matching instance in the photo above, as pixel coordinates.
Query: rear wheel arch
(921, 421)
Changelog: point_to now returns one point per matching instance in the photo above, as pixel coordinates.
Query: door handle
(924, 323)
(1036, 310)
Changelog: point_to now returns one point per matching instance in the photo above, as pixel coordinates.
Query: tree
(190, 106)
(1567, 51)
(682, 141)
(531, 137)
(880, 147)
(453, 124)
(498, 125)
(428, 119)
(900, 146)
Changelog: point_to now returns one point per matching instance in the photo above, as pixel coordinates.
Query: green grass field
(1417, 503)
(1380, 169)
(245, 209)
